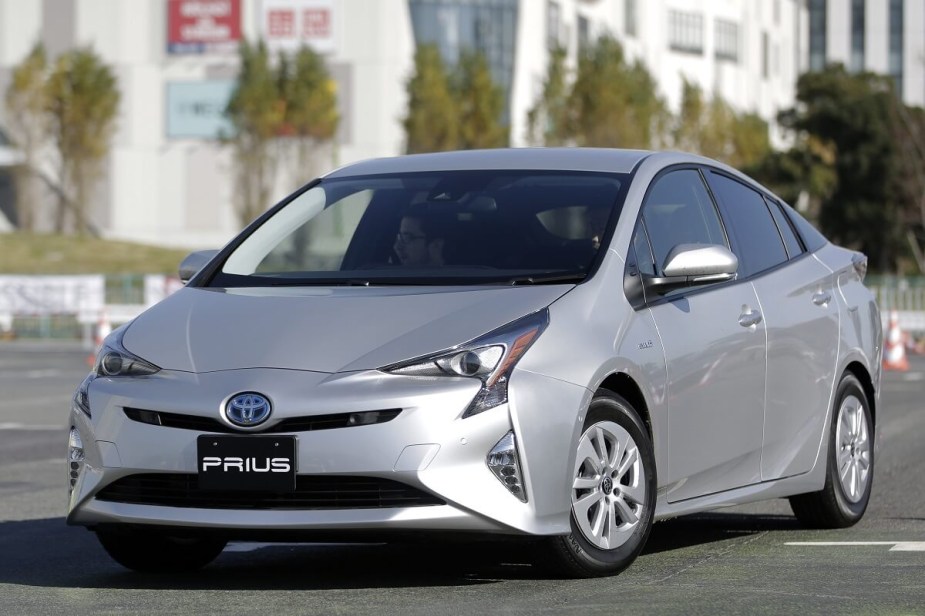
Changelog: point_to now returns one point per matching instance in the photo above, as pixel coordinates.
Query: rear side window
(679, 210)
(758, 242)
(794, 247)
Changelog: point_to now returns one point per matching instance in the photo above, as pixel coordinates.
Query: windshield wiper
(541, 279)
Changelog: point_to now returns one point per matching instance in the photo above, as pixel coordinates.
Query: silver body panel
(737, 413)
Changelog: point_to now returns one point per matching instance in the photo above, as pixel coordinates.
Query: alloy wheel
(609, 486)
(853, 454)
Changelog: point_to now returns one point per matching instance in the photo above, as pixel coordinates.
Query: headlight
(490, 358)
(114, 360)
(81, 400)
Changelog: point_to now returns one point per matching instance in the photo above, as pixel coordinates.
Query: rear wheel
(850, 464)
(156, 552)
(612, 493)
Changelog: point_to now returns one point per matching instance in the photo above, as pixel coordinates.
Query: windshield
(446, 228)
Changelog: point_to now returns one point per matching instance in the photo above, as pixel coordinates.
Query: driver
(420, 239)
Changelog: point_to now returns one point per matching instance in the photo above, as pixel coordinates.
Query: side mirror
(194, 262)
(690, 265)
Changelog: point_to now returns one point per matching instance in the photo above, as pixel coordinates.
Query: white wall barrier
(40, 296)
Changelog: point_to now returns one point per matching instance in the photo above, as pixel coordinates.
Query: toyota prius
(564, 345)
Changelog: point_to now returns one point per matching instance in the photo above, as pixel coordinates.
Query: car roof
(553, 159)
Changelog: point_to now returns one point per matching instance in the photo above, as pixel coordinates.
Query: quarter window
(679, 210)
(758, 242)
(786, 231)
(644, 263)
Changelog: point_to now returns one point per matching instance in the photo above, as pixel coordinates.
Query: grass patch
(33, 253)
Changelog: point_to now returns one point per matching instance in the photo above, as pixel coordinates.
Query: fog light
(503, 462)
(75, 456)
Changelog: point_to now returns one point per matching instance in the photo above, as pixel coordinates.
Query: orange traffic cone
(894, 353)
(103, 329)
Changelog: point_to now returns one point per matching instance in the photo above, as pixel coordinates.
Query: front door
(714, 341)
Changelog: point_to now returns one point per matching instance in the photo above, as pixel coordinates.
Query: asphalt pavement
(750, 559)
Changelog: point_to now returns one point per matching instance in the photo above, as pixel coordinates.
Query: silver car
(559, 344)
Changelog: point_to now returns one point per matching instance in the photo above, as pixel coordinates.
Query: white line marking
(32, 374)
(36, 427)
(898, 546)
(909, 546)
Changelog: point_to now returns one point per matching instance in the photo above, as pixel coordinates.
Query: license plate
(252, 463)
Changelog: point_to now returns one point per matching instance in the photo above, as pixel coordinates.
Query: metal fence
(128, 294)
(894, 293)
(71, 307)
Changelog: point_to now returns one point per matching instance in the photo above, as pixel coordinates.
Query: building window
(817, 28)
(857, 35)
(685, 32)
(629, 17)
(727, 40)
(765, 55)
(776, 12)
(584, 32)
(553, 21)
(896, 44)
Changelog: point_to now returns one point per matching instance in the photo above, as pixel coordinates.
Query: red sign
(197, 26)
(289, 24)
(316, 23)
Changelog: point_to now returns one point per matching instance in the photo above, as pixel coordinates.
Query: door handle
(752, 317)
(822, 298)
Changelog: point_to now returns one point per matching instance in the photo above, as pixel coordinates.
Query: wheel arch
(857, 369)
(623, 384)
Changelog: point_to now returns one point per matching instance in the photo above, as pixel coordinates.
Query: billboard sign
(203, 26)
(288, 24)
(196, 109)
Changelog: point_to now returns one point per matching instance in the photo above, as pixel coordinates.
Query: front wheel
(849, 464)
(156, 552)
(613, 492)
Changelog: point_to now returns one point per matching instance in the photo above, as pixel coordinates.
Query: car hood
(321, 329)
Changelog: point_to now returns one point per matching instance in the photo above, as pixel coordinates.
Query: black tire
(574, 555)
(833, 506)
(157, 552)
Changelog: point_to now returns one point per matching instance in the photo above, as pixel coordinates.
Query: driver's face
(411, 243)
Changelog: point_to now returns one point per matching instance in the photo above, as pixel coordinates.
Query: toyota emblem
(247, 409)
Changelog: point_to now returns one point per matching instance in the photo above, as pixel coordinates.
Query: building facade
(880, 36)
(169, 178)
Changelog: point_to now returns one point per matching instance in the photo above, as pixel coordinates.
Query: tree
(27, 103)
(688, 126)
(750, 140)
(310, 102)
(480, 102)
(613, 103)
(908, 127)
(843, 120)
(82, 102)
(712, 128)
(547, 120)
(432, 123)
(257, 113)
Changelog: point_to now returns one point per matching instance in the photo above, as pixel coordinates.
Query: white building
(168, 178)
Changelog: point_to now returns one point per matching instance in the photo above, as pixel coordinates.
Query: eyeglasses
(407, 238)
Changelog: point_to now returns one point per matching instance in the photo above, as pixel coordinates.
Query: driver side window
(679, 210)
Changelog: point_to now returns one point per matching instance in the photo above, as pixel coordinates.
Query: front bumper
(427, 447)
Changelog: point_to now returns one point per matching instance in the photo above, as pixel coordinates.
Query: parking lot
(748, 559)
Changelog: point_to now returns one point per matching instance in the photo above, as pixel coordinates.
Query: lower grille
(311, 492)
(292, 424)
